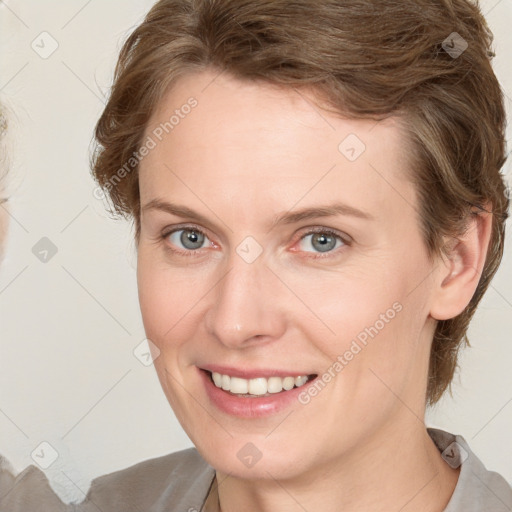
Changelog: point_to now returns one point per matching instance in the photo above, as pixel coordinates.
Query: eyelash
(325, 231)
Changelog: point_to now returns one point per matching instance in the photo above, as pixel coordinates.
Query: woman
(318, 207)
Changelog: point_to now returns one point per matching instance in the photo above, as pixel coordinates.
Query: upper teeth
(258, 386)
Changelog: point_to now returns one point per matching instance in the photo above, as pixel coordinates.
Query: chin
(257, 457)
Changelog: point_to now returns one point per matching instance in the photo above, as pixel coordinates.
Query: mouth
(253, 393)
(257, 387)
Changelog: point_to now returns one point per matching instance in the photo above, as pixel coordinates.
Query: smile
(259, 386)
(252, 393)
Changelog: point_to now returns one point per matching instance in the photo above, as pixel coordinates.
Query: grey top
(182, 482)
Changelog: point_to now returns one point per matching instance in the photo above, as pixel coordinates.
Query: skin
(247, 153)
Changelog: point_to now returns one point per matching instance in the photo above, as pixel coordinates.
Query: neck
(400, 469)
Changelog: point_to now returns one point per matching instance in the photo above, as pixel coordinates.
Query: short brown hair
(425, 61)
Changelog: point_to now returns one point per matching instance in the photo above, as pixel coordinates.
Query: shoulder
(163, 483)
(477, 488)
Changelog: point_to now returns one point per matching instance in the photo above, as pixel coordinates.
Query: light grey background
(69, 326)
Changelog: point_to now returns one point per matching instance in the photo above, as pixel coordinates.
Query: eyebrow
(286, 218)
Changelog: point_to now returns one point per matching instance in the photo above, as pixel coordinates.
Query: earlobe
(460, 268)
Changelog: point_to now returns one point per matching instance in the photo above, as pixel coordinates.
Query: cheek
(376, 324)
(167, 297)
(356, 302)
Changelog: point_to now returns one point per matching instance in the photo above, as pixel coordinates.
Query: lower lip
(244, 407)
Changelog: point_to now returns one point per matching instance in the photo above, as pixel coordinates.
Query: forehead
(247, 139)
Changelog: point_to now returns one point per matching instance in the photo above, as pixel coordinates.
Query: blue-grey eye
(190, 239)
(322, 241)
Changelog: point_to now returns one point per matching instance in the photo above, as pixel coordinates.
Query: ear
(460, 270)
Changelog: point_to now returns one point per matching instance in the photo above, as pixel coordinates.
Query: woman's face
(243, 287)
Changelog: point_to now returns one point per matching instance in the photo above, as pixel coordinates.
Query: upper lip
(253, 373)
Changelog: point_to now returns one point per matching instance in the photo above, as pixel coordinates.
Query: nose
(246, 307)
